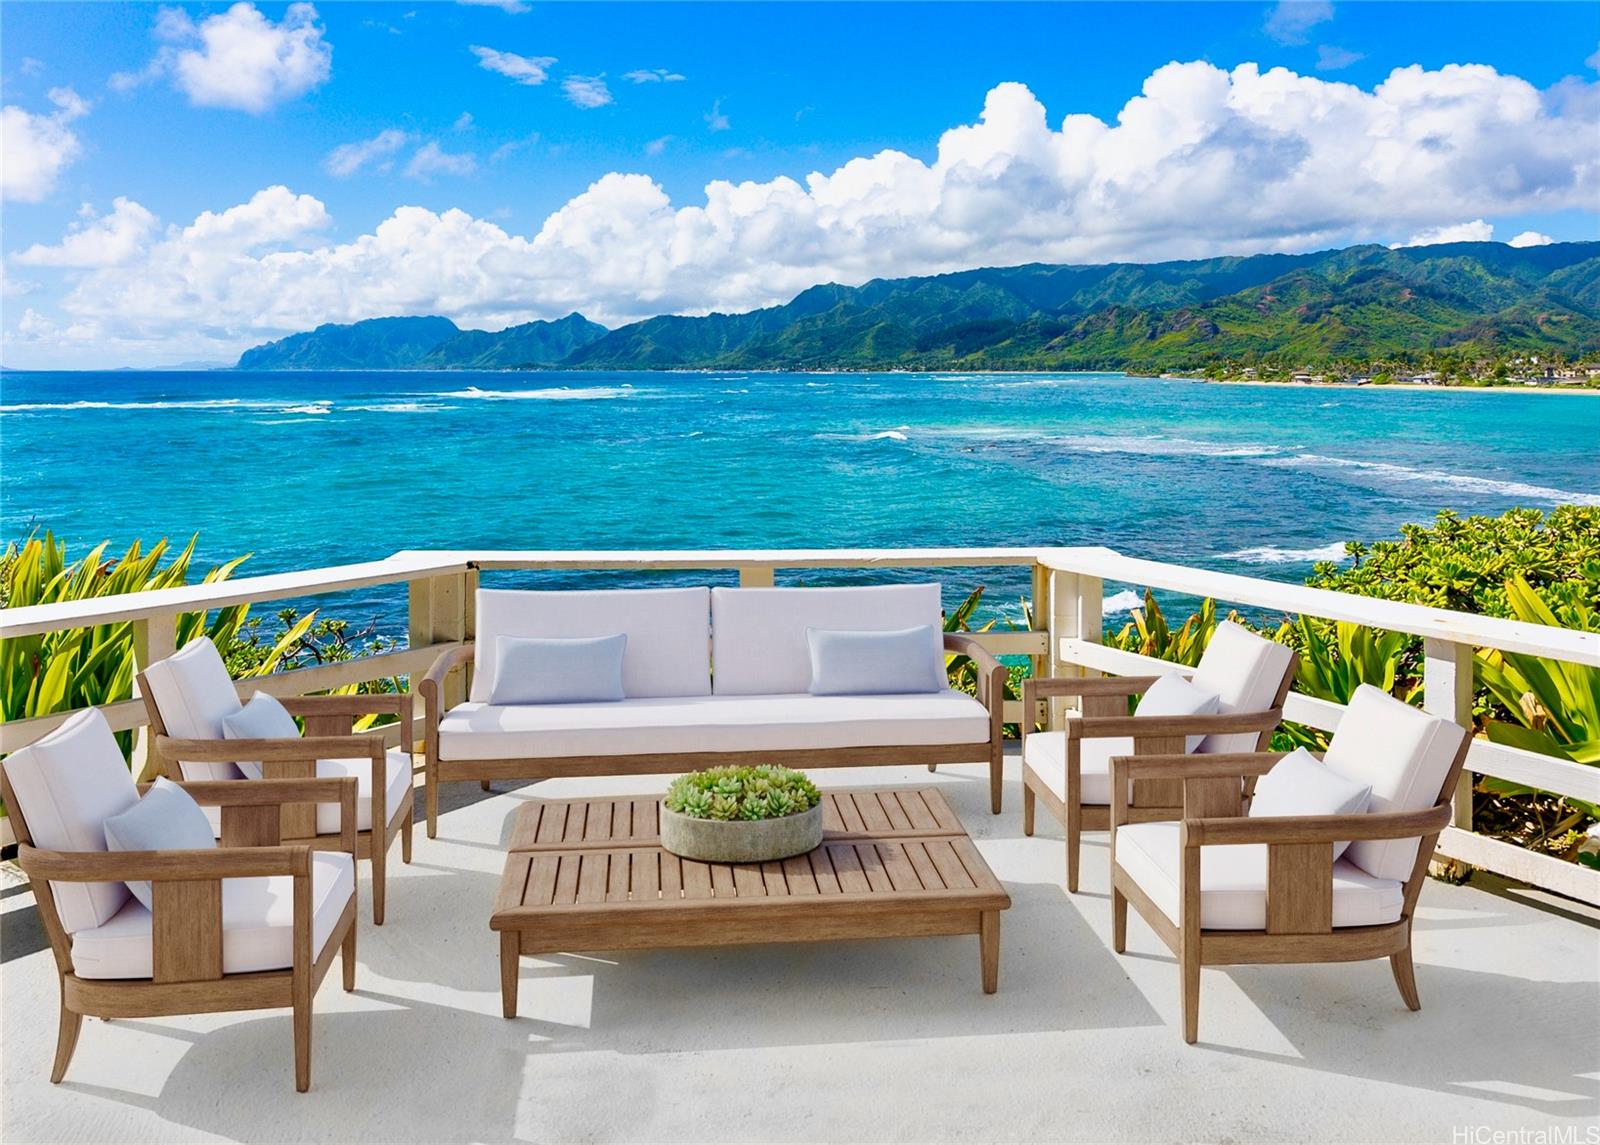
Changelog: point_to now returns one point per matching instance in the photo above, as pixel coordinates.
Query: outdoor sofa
(709, 677)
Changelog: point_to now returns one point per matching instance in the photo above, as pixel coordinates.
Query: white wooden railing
(1066, 591)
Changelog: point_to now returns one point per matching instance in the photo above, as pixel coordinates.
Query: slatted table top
(881, 849)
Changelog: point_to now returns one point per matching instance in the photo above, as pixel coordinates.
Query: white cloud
(1290, 21)
(506, 150)
(431, 159)
(1477, 231)
(348, 158)
(657, 146)
(1594, 60)
(1202, 162)
(38, 147)
(586, 91)
(510, 7)
(463, 121)
(1531, 238)
(530, 70)
(652, 75)
(1331, 58)
(97, 240)
(715, 120)
(239, 58)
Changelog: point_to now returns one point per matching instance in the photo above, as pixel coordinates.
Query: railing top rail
(1419, 620)
(696, 559)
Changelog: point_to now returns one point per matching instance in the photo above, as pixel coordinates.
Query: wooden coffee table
(591, 875)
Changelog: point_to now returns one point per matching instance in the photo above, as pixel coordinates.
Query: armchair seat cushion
(257, 925)
(1233, 881)
(673, 725)
(1046, 754)
(397, 789)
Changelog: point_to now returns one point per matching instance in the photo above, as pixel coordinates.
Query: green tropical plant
(1148, 633)
(963, 672)
(747, 793)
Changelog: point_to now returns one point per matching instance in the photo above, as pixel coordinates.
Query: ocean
(310, 469)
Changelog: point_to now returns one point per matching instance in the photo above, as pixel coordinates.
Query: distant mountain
(1363, 303)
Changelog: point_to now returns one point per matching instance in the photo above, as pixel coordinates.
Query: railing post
(154, 638)
(441, 609)
(1075, 613)
(1447, 691)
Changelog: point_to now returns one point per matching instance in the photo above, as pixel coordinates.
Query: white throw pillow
(166, 819)
(534, 670)
(262, 718)
(1299, 784)
(890, 663)
(1172, 695)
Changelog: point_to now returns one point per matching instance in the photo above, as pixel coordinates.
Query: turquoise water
(306, 469)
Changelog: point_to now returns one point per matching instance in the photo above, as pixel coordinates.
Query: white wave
(556, 394)
(316, 409)
(899, 434)
(1273, 555)
(198, 403)
(1467, 482)
(1125, 601)
(1143, 445)
(401, 407)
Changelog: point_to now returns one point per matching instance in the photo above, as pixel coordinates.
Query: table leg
(989, 948)
(510, 964)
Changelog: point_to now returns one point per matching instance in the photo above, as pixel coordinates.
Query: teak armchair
(1279, 895)
(199, 958)
(187, 695)
(1068, 771)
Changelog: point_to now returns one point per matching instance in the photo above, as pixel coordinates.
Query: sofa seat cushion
(711, 723)
(1233, 881)
(257, 924)
(397, 790)
(1046, 754)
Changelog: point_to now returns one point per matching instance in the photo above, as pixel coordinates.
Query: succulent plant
(744, 793)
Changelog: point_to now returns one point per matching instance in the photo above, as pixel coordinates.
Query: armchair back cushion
(1300, 784)
(1172, 695)
(262, 718)
(668, 631)
(67, 785)
(166, 819)
(1405, 755)
(192, 690)
(759, 644)
(1245, 671)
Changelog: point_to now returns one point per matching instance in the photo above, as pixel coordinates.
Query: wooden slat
(927, 873)
(646, 866)
(846, 865)
(951, 870)
(902, 875)
(646, 816)
(553, 824)
(873, 868)
(186, 930)
(889, 801)
(822, 868)
(618, 877)
(849, 814)
(831, 819)
(797, 873)
(747, 880)
(696, 880)
(722, 880)
(943, 813)
(577, 821)
(597, 821)
(541, 886)
(671, 877)
(772, 878)
(592, 869)
(871, 811)
(566, 880)
(916, 811)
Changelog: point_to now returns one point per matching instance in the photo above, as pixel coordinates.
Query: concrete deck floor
(888, 1040)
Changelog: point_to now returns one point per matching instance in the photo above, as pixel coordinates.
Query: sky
(178, 183)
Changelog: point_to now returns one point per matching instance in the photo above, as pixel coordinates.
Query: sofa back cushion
(759, 644)
(1245, 672)
(668, 631)
(193, 692)
(67, 785)
(1405, 755)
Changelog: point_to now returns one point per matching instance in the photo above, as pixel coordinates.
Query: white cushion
(1405, 755)
(759, 645)
(166, 819)
(1172, 695)
(264, 717)
(712, 723)
(878, 663)
(194, 693)
(1046, 754)
(397, 765)
(1299, 784)
(668, 632)
(1245, 671)
(257, 924)
(1233, 881)
(67, 785)
(534, 670)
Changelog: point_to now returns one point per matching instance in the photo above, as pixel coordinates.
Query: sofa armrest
(992, 674)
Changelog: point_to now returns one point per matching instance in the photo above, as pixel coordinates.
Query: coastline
(1409, 387)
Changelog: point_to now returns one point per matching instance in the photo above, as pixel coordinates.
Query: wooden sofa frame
(1105, 713)
(186, 923)
(1299, 872)
(329, 734)
(992, 678)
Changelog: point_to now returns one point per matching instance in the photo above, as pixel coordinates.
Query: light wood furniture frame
(1104, 712)
(186, 923)
(329, 723)
(1299, 872)
(992, 678)
(591, 875)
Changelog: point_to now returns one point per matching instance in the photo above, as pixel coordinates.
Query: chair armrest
(992, 674)
(159, 866)
(1197, 765)
(1039, 688)
(1300, 829)
(450, 659)
(369, 744)
(360, 704)
(265, 792)
(1096, 727)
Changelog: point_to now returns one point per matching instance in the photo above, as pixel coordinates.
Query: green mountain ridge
(1364, 303)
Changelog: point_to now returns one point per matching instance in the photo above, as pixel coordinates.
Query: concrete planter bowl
(739, 840)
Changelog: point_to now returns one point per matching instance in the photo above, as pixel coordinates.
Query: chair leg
(405, 834)
(483, 783)
(1405, 977)
(933, 767)
(302, 1037)
(1028, 800)
(430, 797)
(66, 1040)
(1189, 959)
(347, 958)
(996, 781)
(380, 855)
(1119, 921)
(1074, 827)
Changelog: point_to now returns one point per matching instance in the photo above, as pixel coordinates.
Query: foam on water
(1125, 601)
(1470, 483)
(552, 394)
(1273, 555)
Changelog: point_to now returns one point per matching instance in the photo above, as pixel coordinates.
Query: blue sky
(160, 117)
